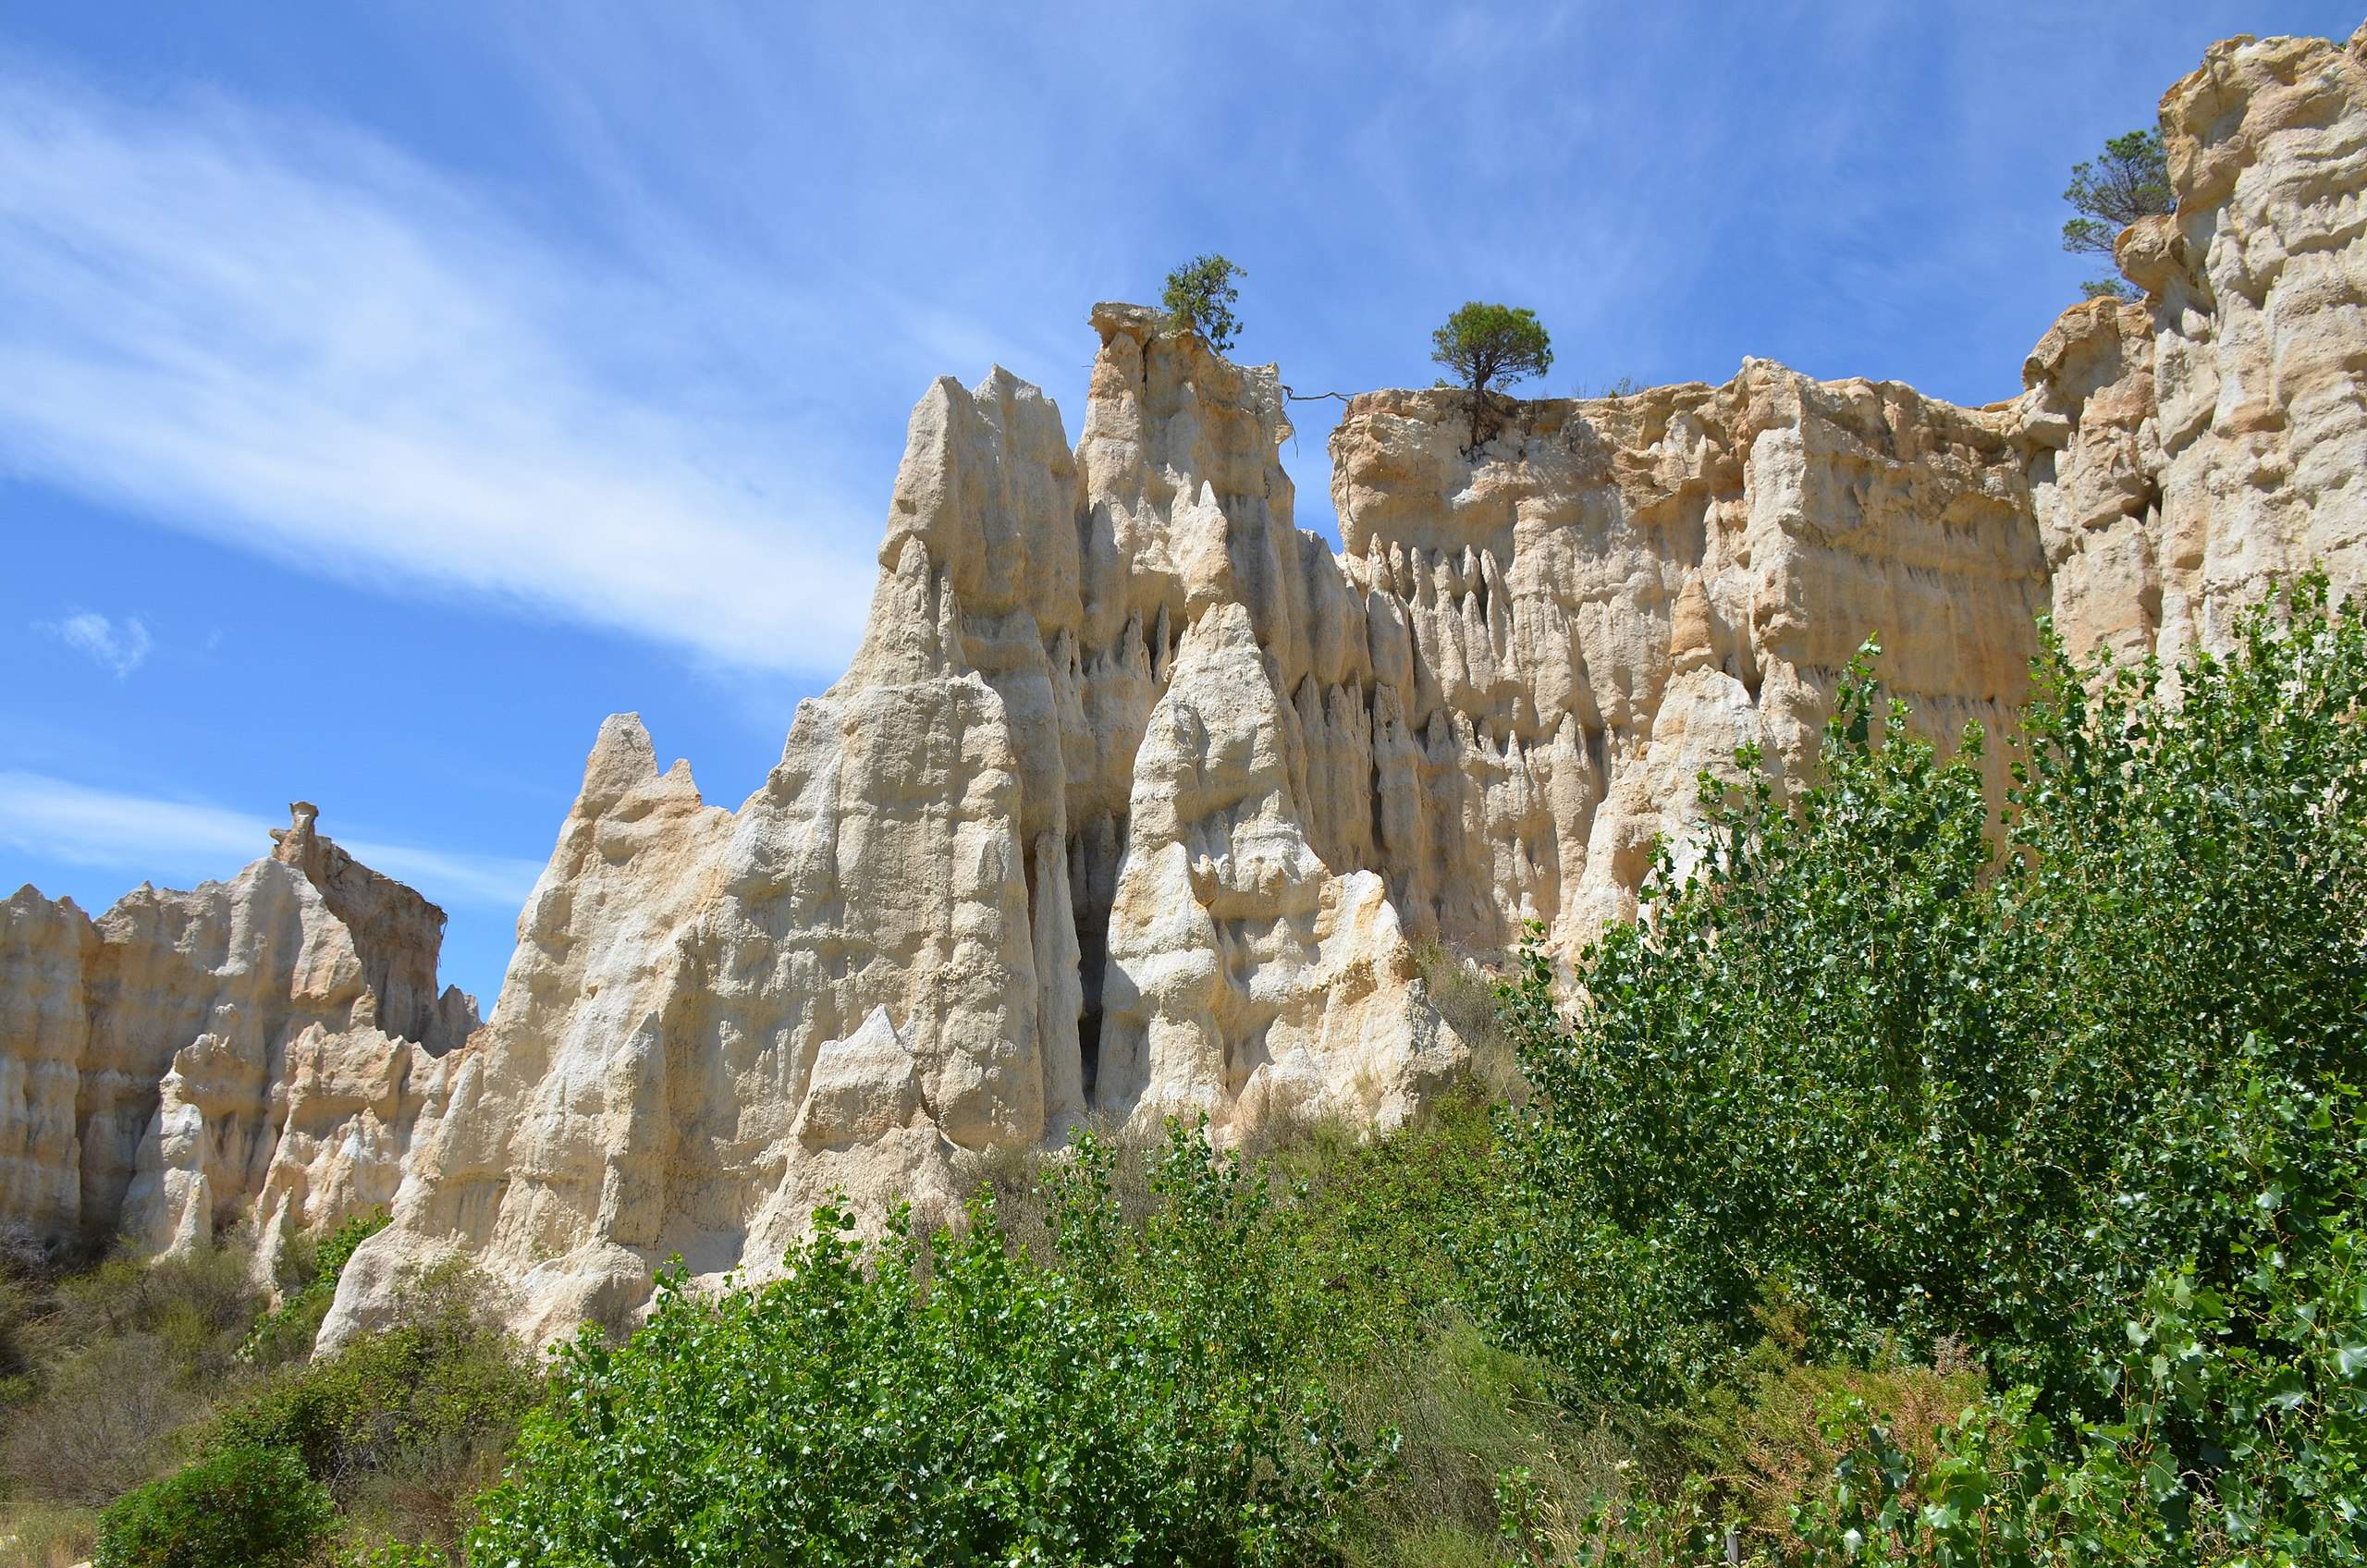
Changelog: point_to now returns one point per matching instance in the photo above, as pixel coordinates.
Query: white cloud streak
(118, 650)
(188, 841)
(289, 337)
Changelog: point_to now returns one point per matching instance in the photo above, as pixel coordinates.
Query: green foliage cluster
(1200, 298)
(1486, 346)
(954, 1403)
(242, 1508)
(443, 1380)
(2084, 1100)
(287, 1333)
(2130, 180)
(136, 1393)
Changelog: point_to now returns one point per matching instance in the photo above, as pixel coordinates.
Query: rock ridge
(252, 1052)
(1137, 799)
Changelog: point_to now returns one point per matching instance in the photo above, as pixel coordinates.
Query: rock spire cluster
(1138, 801)
(251, 1052)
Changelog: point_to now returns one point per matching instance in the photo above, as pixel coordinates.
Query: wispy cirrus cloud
(158, 837)
(287, 337)
(118, 649)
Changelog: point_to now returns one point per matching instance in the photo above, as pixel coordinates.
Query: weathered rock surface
(255, 1051)
(1137, 799)
(1135, 796)
(2254, 436)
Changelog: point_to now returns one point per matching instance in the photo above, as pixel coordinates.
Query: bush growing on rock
(1198, 298)
(2130, 180)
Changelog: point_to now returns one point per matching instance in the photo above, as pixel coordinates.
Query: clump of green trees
(2083, 1096)
(1139, 1403)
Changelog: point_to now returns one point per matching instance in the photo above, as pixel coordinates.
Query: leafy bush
(1198, 298)
(243, 1508)
(286, 1333)
(951, 1404)
(1920, 1087)
(2240, 1426)
(406, 1425)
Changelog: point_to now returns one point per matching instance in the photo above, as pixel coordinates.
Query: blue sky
(389, 392)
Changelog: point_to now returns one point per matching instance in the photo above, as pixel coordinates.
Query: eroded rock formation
(1136, 796)
(1136, 799)
(250, 1051)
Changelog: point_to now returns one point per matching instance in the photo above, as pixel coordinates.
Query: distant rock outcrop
(251, 1051)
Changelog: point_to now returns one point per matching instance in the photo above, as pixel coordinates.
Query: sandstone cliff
(255, 1051)
(1137, 799)
(1136, 796)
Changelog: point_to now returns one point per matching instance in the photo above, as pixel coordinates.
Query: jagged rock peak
(255, 1052)
(1137, 798)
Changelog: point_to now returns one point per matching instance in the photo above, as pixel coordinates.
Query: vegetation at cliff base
(156, 1413)
(2129, 180)
(1919, 1183)
(1199, 296)
(2080, 1102)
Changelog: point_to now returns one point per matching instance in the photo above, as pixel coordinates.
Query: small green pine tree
(1486, 345)
(1199, 300)
(2130, 182)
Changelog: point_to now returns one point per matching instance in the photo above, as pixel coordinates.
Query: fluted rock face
(1615, 593)
(2254, 436)
(192, 1062)
(1047, 848)
(1136, 798)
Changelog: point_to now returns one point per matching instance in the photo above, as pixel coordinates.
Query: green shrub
(1198, 299)
(444, 1381)
(2239, 1425)
(1136, 1405)
(242, 1508)
(286, 1333)
(1920, 1087)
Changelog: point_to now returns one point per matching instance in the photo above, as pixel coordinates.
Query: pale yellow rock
(1136, 798)
(193, 1063)
(2259, 313)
